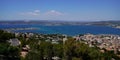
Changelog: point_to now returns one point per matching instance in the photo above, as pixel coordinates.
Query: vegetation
(40, 49)
(8, 52)
(4, 36)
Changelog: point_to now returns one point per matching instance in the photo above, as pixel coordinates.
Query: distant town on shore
(111, 23)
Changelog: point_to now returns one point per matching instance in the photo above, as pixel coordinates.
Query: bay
(63, 29)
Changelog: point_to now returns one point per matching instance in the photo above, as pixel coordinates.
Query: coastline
(14, 29)
(118, 27)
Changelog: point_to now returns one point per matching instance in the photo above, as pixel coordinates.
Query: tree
(58, 50)
(4, 36)
(9, 52)
(48, 50)
(69, 47)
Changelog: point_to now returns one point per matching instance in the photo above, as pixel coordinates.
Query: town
(32, 46)
(102, 41)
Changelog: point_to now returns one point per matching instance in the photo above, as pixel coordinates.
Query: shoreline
(14, 29)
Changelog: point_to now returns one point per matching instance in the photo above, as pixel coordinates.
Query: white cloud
(47, 15)
(53, 13)
(33, 13)
(37, 11)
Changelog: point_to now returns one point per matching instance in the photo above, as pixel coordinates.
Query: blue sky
(70, 10)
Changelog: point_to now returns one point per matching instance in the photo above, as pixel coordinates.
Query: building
(14, 42)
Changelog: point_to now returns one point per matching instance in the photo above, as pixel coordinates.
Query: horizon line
(27, 20)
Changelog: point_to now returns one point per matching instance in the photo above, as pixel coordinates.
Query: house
(56, 58)
(14, 42)
(25, 50)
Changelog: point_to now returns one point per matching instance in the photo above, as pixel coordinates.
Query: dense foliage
(8, 52)
(71, 50)
(4, 36)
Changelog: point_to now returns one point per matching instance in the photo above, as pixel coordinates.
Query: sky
(69, 10)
